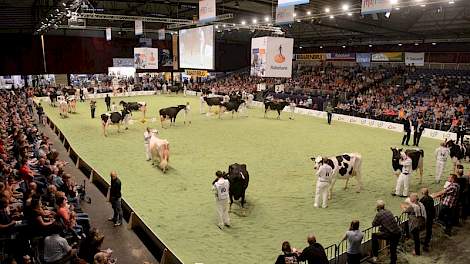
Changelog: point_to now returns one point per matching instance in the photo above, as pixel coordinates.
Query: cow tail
(357, 164)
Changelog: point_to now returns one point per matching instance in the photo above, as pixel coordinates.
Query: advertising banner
(161, 34)
(258, 56)
(341, 56)
(146, 58)
(197, 73)
(291, 2)
(123, 62)
(164, 58)
(388, 56)
(272, 57)
(285, 15)
(207, 10)
(414, 58)
(139, 27)
(311, 56)
(108, 34)
(375, 6)
(363, 57)
(174, 40)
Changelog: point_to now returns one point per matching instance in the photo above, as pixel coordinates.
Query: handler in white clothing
(441, 153)
(221, 187)
(147, 136)
(404, 178)
(187, 113)
(202, 104)
(323, 184)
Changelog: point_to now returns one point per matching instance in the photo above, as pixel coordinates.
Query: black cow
(131, 106)
(211, 101)
(114, 118)
(175, 89)
(417, 157)
(53, 97)
(231, 106)
(171, 113)
(239, 178)
(457, 152)
(277, 106)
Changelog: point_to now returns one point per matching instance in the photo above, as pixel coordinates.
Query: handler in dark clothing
(388, 230)
(92, 108)
(115, 199)
(428, 203)
(461, 131)
(419, 128)
(107, 100)
(314, 253)
(407, 130)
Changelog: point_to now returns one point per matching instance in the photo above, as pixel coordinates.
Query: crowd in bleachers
(40, 214)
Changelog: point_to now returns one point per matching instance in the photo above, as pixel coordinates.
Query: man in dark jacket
(388, 230)
(107, 100)
(407, 131)
(428, 203)
(419, 128)
(115, 199)
(314, 253)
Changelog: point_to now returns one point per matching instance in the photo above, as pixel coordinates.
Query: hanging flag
(375, 6)
(285, 14)
(207, 10)
(139, 27)
(108, 34)
(161, 34)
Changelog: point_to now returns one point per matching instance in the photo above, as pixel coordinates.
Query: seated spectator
(354, 237)
(39, 220)
(288, 257)
(56, 248)
(388, 230)
(6, 221)
(314, 253)
(91, 245)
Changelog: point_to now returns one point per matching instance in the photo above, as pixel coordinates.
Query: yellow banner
(311, 56)
(197, 73)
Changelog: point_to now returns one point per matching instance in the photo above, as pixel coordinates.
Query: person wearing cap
(403, 179)
(441, 153)
(220, 188)
(147, 137)
(407, 129)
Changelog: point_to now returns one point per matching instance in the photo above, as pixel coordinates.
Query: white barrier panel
(135, 93)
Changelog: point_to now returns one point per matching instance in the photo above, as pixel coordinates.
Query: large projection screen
(196, 48)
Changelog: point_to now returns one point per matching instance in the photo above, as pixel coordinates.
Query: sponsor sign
(174, 39)
(363, 57)
(207, 10)
(272, 57)
(375, 6)
(340, 56)
(146, 58)
(123, 62)
(139, 27)
(414, 58)
(292, 2)
(285, 14)
(161, 34)
(388, 56)
(311, 56)
(197, 73)
(108, 34)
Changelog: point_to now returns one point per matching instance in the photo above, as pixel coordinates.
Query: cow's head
(122, 103)
(318, 161)
(181, 107)
(396, 154)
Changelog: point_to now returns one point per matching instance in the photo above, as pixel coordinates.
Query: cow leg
(231, 202)
(265, 111)
(162, 118)
(346, 185)
(278, 114)
(243, 200)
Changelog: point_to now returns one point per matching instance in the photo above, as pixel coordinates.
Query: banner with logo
(174, 40)
(387, 56)
(285, 15)
(146, 58)
(311, 56)
(341, 56)
(363, 57)
(414, 58)
(207, 10)
(292, 2)
(279, 57)
(197, 73)
(258, 57)
(123, 62)
(139, 27)
(161, 34)
(108, 34)
(375, 6)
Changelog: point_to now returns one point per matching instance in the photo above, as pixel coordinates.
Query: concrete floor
(126, 246)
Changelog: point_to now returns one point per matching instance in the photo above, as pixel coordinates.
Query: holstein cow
(175, 89)
(231, 106)
(239, 178)
(135, 106)
(457, 153)
(212, 101)
(417, 158)
(63, 106)
(344, 167)
(114, 118)
(72, 104)
(277, 106)
(171, 113)
(160, 151)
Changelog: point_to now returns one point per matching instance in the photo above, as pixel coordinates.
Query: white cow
(160, 151)
(344, 166)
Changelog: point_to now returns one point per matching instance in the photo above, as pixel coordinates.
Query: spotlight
(300, 47)
(399, 44)
(254, 21)
(422, 5)
(64, 4)
(331, 16)
(393, 2)
(321, 47)
(309, 13)
(416, 44)
(216, 26)
(345, 7)
(295, 14)
(397, 8)
(224, 25)
(434, 43)
(344, 46)
(327, 10)
(266, 18)
(243, 22)
(451, 2)
(349, 14)
(370, 45)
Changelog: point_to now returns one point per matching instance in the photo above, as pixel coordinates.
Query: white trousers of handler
(147, 151)
(440, 165)
(222, 212)
(403, 181)
(322, 193)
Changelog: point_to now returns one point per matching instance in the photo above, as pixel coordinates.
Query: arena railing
(151, 240)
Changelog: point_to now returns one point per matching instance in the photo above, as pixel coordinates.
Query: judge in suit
(419, 128)
(407, 130)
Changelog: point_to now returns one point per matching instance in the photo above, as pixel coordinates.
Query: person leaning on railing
(388, 230)
(354, 237)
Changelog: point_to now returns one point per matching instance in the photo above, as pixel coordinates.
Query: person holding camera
(220, 188)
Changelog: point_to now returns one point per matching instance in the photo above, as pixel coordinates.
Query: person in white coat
(202, 104)
(441, 153)
(187, 114)
(404, 177)
(147, 137)
(220, 188)
(324, 174)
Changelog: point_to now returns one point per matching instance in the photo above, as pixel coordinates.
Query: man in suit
(419, 128)
(406, 130)
(461, 130)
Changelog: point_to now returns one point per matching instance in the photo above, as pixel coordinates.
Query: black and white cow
(114, 118)
(344, 167)
(457, 153)
(276, 106)
(231, 106)
(417, 160)
(135, 106)
(170, 113)
(239, 178)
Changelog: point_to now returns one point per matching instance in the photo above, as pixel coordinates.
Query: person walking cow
(324, 175)
(221, 188)
(403, 179)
